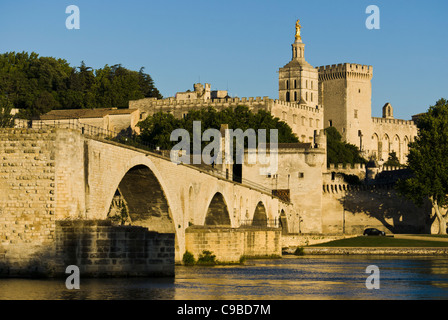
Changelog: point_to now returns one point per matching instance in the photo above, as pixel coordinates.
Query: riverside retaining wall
(230, 244)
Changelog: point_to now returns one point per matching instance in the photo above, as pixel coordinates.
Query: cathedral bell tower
(298, 80)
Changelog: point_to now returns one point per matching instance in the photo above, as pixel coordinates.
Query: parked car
(373, 232)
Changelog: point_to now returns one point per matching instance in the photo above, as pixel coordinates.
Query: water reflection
(292, 278)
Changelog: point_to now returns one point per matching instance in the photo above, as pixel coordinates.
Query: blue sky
(240, 44)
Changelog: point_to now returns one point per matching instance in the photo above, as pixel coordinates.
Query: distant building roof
(84, 113)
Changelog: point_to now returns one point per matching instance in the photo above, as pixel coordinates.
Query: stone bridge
(51, 175)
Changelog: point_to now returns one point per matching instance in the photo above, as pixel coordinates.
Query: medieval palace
(311, 99)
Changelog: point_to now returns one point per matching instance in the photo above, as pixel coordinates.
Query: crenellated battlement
(209, 102)
(172, 103)
(345, 71)
(341, 166)
(344, 188)
(393, 121)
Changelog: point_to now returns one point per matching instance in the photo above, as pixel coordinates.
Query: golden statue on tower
(298, 27)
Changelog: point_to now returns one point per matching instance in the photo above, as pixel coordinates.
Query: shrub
(188, 259)
(207, 258)
(299, 251)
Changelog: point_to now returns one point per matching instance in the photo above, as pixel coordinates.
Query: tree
(37, 85)
(393, 160)
(339, 151)
(427, 160)
(6, 118)
(156, 129)
(147, 85)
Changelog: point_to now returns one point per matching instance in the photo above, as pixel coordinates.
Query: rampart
(152, 105)
(345, 71)
(393, 121)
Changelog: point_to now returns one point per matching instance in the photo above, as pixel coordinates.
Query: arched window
(287, 96)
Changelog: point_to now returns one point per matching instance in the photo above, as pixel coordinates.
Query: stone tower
(345, 92)
(298, 80)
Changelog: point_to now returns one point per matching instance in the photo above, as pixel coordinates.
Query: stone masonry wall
(230, 244)
(352, 210)
(101, 249)
(27, 198)
(42, 186)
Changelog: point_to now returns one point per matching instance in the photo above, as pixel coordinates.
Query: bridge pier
(230, 244)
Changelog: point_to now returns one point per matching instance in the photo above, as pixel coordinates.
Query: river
(290, 278)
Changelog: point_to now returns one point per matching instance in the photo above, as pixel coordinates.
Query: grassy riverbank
(381, 242)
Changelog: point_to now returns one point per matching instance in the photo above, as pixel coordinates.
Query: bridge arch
(217, 211)
(143, 191)
(283, 222)
(260, 218)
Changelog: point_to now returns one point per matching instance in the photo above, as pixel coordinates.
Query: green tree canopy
(6, 118)
(156, 129)
(339, 151)
(428, 163)
(392, 160)
(36, 85)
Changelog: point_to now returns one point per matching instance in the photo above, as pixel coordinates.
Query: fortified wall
(392, 135)
(299, 174)
(349, 208)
